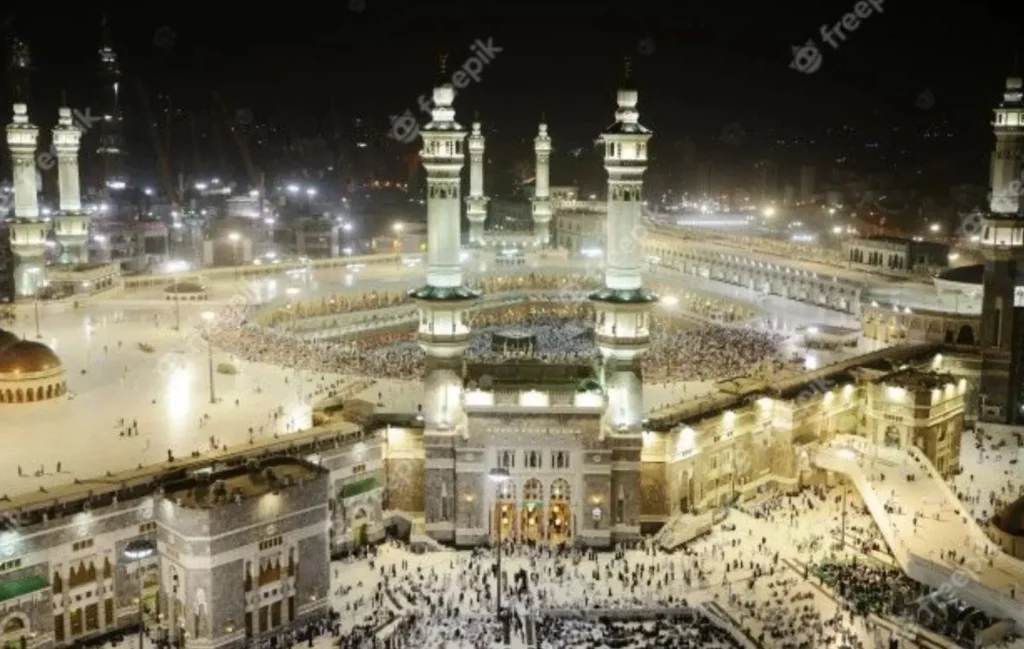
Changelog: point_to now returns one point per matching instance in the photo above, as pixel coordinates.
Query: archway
(14, 631)
(503, 525)
(560, 513)
(892, 436)
(531, 527)
(966, 336)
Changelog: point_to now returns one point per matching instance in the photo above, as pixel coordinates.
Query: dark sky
(699, 65)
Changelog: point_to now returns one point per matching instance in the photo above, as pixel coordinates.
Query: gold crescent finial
(629, 68)
(444, 63)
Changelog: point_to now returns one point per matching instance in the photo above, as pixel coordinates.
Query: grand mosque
(231, 544)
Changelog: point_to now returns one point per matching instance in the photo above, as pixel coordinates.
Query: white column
(66, 140)
(542, 190)
(476, 203)
(625, 160)
(21, 139)
(442, 156)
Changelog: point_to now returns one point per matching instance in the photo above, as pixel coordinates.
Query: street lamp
(137, 550)
(293, 305)
(208, 317)
(34, 271)
(499, 475)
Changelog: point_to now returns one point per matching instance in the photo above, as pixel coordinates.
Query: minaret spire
(623, 306)
(542, 187)
(476, 202)
(444, 301)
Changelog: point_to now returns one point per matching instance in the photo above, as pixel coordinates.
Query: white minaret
(66, 140)
(443, 302)
(476, 202)
(21, 138)
(542, 188)
(623, 306)
(1006, 158)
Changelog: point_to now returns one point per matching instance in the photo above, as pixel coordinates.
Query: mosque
(236, 546)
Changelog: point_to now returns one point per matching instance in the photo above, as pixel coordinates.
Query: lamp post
(34, 271)
(293, 305)
(499, 475)
(208, 317)
(137, 550)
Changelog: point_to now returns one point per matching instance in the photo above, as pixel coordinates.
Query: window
(359, 468)
(81, 545)
(147, 527)
(271, 543)
(13, 564)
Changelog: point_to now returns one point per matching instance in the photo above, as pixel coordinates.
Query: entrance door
(560, 513)
(532, 516)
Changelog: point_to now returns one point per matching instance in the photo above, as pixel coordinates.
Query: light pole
(137, 550)
(499, 475)
(208, 317)
(34, 271)
(292, 291)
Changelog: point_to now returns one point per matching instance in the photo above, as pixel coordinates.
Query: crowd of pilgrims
(678, 631)
(451, 602)
(886, 591)
(991, 491)
(681, 349)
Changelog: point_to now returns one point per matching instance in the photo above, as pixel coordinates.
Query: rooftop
(964, 274)
(528, 373)
(914, 379)
(205, 490)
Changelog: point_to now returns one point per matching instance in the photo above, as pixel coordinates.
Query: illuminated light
(846, 454)
(670, 300)
(895, 393)
(765, 403)
(201, 186)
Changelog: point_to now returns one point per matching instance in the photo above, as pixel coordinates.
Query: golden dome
(27, 357)
(7, 339)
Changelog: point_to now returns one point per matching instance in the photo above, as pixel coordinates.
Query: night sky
(700, 67)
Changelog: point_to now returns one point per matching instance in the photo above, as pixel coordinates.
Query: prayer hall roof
(27, 357)
(7, 339)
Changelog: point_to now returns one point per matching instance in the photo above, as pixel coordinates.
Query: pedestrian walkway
(931, 534)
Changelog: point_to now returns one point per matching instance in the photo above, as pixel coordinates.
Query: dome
(7, 339)
(27, 357)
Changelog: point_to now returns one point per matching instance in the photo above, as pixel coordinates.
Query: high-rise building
(1002, 243)
(110, 147)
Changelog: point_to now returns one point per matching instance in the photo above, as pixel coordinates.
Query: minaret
(476, 203)
(1002, 243)
(71, 223)
(443, 331)
(542, 187)
(66, 140)
(21, 139)
(443, 306)
(622, 308)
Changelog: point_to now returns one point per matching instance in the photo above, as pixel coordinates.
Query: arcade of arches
(534, 516)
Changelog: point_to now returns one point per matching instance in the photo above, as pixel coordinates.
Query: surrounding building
(896, 255)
